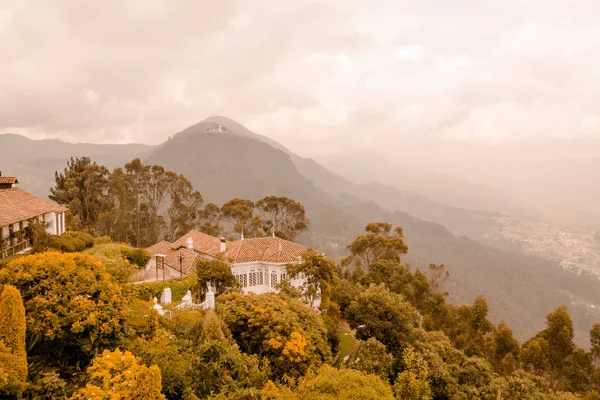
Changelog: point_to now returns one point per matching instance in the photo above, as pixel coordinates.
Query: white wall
(50, 219)
(268, 270)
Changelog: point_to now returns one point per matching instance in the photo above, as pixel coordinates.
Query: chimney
(189, 243)
(223, 244)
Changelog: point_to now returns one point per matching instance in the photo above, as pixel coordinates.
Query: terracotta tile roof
(203, 243)
(266, 249)
(162, 247)
(18, 205)
(189, 260)
(172, 256)
(8, 179)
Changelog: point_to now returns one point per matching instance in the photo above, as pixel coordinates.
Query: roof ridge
(238, 250)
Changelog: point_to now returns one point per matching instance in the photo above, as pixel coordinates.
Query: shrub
(149, 290)
(289, 334)
(72, 306)
(72, 242)
(138, 257)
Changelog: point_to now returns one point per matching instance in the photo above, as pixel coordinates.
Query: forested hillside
(223, 161)
(74, 326)
(339, 209)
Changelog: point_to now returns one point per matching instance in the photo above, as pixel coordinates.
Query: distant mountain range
(224, 160)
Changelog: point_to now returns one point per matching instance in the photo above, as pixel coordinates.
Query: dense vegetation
(142, 204)
(518, 288)
(72, 327)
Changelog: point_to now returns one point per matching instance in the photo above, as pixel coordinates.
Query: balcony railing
(7, 251)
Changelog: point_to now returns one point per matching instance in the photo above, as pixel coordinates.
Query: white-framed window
(284, 276)
(242, 278)
(273, 278)
(256, 276)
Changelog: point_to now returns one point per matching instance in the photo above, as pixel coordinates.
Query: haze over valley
(537, 262)
(279, 200)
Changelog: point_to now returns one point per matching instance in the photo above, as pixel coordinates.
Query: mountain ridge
(520, 289)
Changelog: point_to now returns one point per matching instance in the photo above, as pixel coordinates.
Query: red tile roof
(203, 243)
(262, 249)
(188, 263)
(162, 247)
(265, 249)
(18, 205)
(172, 256)
(8, 179)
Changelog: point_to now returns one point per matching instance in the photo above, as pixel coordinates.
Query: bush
(73, 308)
(138, 257)
(72, 242)
(111, 256)
(149, 290)
(103, 240)
(286, 332)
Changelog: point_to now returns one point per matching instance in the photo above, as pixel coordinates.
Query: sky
(319, 76)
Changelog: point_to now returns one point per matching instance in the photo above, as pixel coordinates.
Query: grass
(348, 344)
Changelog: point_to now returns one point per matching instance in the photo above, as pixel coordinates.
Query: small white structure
(186, 301)
(159, 309)
(165, 297)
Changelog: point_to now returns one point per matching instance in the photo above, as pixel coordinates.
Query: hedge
(72, 241)
(149, 290)
(139, 257)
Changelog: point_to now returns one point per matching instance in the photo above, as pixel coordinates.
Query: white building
(17, 208)
(259, 264)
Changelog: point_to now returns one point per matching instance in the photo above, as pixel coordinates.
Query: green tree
(559, 333)
(371, 357)
(329, 383)
(216, 273)
(81, 187)
(506, 350)
(119, 375)
(286, 332)
(238, 214)
(317, 272)
(207, 219)
(412, 383)
(72, 306)
(183, 207)
(206, 362)
(595, 343)
(147, 202)
(13, 357)
(379, 242)
(578, 371)
(385, 316)
(283, 216)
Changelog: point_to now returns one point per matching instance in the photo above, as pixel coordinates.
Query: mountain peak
(218, 125)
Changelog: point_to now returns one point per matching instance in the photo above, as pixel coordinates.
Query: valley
(486, 252)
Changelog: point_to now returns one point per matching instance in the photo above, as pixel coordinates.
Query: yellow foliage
(294, 348)
(275, 342)
(117, 375)
(13, 357)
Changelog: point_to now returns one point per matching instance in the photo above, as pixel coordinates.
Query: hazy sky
(314, 75)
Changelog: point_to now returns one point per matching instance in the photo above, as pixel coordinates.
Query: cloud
(317, 76)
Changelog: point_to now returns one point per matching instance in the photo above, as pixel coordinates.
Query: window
(273, 278)
(256, 276)
(283, 276)
(242, 278)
